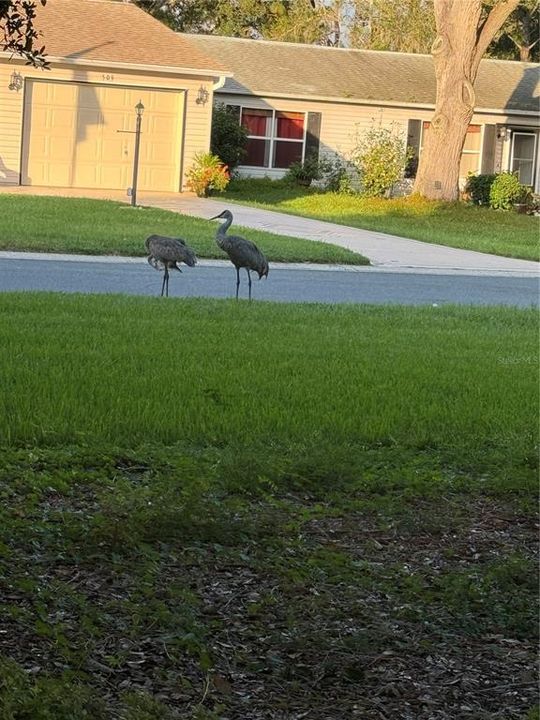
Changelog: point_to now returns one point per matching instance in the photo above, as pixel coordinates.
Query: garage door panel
(60, 118)
(78, 124)
(86, 176)
(55, 147)
(162, 125)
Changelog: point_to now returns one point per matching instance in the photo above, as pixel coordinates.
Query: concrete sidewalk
(388, 251)
(384, 251)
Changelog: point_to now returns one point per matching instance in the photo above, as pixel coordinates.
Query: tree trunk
(462, 39)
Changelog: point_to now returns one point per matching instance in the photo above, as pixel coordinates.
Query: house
(298, 99)
(73, 125)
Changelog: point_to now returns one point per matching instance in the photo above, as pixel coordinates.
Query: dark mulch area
(410, 609)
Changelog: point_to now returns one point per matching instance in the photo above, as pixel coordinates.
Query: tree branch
(492, 24)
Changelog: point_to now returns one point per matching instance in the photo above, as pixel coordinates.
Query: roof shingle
(293, 70)
(116, 32)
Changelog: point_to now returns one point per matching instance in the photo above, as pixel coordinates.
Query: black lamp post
(139, 109)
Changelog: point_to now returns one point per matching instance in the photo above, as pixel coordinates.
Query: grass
(101, 227)
(128, 369)
(215, 510)
(454, 224)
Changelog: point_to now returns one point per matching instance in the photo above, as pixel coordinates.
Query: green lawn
(454, 224)
(214, 510)
(101, 227)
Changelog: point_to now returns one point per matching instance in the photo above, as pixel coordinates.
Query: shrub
(206, 174)
(337, 178)
(380, 157)
(303, 173)
(506, 190)
(478, 188)
(229, 138)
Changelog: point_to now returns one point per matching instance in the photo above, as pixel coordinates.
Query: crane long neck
(225, 226)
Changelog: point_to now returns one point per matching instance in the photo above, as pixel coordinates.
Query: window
(470, 155)
(523, 152)
(276, 139)
(259, 126)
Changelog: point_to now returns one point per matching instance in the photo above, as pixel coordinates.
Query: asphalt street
(284, 284)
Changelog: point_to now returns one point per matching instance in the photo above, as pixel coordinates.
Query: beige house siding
(194, 120)
(340, 121)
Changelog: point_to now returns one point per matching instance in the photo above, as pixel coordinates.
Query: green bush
(206, 174)
(506, 190)
(337, 177)
(229, 138)
(478, 187)
(380, 157)
(303, 173)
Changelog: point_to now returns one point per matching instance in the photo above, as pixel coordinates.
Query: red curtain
(286, 153)
(257, 152)
(290, 125)
(256, 122)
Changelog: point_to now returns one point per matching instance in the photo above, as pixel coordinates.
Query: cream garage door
(71, 136)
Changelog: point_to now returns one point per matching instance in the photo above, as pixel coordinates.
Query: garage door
(71, 136)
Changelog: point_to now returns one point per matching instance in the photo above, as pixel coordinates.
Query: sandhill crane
(166, 253)
(242, 253)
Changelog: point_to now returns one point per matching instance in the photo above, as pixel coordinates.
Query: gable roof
(310, 71)
(101, 31)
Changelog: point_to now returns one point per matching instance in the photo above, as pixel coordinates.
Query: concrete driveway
(384, 251)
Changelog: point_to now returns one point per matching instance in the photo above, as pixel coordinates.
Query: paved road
(286, 283)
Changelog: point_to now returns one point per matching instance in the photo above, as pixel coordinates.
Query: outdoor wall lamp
(15, 81)
(202, 96)
(503, 133)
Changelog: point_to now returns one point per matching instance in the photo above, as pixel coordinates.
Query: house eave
(138, 67)
(376, 103)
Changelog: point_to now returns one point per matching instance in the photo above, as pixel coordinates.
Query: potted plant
(303, 173)
(524, 200)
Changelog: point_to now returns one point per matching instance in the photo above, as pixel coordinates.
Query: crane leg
(165, 284)
(237, 281)
(249, 281)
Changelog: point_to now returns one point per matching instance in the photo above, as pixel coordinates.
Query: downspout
(219, 83)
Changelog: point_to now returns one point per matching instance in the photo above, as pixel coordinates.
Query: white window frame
(273, 135)
(528, 134)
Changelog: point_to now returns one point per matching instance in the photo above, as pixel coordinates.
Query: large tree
(464, 31)
(396, 25)
(519, 38)
(306, 21)
(17, 32)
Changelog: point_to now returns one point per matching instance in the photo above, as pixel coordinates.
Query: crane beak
(215, 217)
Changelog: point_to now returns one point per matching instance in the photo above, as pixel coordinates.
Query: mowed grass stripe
(203, 372)
(102, 227)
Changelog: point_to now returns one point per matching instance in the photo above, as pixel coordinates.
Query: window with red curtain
(284, 131)
(290, 125)
(257, 153)
(257, 122)
(285, 153)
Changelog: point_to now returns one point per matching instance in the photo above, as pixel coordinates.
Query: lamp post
(139, 109)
